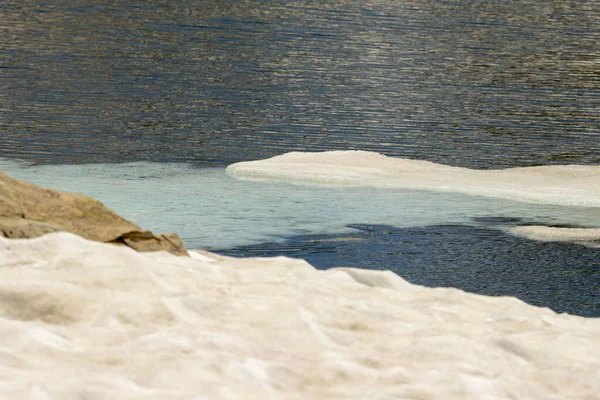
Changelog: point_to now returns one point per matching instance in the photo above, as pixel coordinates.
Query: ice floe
(81, 319)
(589, 237)
(572, 185)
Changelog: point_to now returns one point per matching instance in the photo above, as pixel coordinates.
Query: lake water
(143, 104)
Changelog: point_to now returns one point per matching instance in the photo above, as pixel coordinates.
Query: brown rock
(28, 211)
(147, 241)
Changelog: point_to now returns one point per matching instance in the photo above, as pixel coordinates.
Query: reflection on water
(465, 82)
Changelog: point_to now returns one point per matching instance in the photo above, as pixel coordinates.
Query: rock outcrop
(28, 211)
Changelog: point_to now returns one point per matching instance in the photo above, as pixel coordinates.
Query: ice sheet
(80, 319)
(573, 185)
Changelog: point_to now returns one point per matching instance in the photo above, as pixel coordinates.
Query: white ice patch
(573, 185)
(102, 327)
(589, 237)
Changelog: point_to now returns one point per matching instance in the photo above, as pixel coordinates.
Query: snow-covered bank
(569, 185)
(87, 319)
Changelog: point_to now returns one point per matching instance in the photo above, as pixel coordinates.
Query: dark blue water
(475, 83)
(481, 84)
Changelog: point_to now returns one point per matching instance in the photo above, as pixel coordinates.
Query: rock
(28, 211)
(147, 241)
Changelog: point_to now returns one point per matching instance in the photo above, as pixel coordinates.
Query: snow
(568, 185)
(81, 319)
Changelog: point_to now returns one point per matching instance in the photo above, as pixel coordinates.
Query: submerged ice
(214, 210)
(85, 319)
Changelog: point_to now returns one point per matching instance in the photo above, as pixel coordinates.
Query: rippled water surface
(472, 83)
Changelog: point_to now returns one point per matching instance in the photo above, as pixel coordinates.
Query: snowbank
(573, 185)
(82, 319)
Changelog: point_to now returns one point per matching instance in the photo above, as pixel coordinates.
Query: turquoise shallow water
(212, 210)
